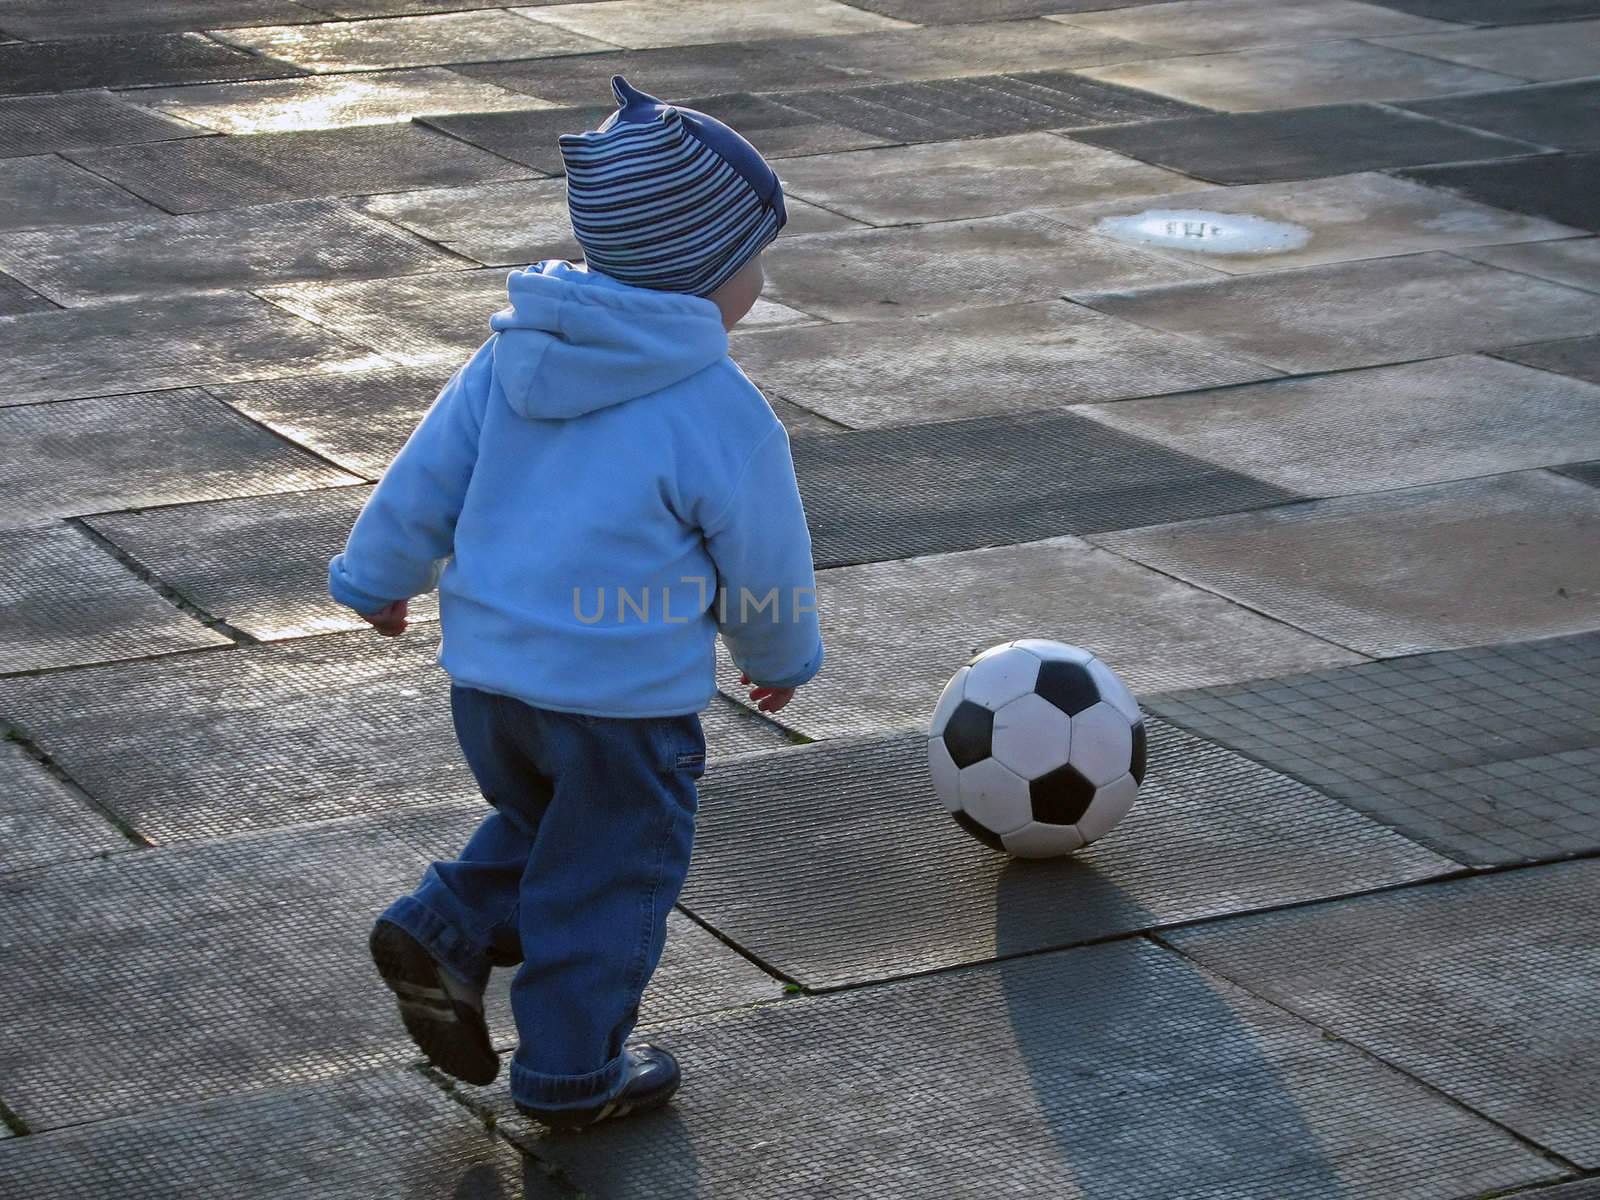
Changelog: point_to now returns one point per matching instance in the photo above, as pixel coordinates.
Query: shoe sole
(451, 1034)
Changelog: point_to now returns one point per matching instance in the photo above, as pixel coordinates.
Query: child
(605, 491)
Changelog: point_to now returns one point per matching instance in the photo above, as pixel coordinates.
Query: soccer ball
(1036, 748)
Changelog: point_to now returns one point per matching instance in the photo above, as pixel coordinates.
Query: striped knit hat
(668, 198)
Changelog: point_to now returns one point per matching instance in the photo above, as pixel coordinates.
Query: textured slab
(504, 224)
(1588, 472)
(1556, 114)
(275, 243)
(944, 12)
(44, 124)
(934, 894)
(1437, 981)
(408, 41)
(206, 745)
(126, 60)
(1300, 143)
(941, 181)
(15, 299)
(1218, 26)
(1577, 357)
(1364, 313)
(1574, 262)
(390, 1133)
(416, 320)
(959, 485)
(1564, 50)
(1319, 73)
(1489, 755)
(897, 631)
(42, 20)
(41, 820)
(1028, 357)
(1369, 215)
(1497, 12)
(359, 420)
(1560, 187)
(210, 173)
(44, 190)
(639, 24)
(1053, 1069)
(128, 451)
(373, 98)
(876, 273)
(65, 601)
(1386, 574)
(1376, 429)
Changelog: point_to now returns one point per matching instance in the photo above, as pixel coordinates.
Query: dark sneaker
(443, 1015)
(653, 1077)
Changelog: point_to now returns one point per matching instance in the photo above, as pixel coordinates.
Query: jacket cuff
(347, 594)
(804, 675)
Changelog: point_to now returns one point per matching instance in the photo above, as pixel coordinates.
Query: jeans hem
(442, 940)
(552, 1093)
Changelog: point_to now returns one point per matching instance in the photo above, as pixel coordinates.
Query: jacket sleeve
(406, 530)
(767, 603)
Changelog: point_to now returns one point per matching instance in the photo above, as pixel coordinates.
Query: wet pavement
(1254, 344)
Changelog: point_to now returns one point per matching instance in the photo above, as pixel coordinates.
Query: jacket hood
(573, 341)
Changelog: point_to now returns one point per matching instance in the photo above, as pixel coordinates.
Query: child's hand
(390, 620)
(768, 699)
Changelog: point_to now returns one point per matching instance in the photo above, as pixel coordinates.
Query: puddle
(1203, 232)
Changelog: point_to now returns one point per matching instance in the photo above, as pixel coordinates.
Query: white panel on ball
(1114, 691)
(949, 701)
(1055, 651)
(993, 679)
(946, 775)
(1111, 804)
(995, 797)
(1035, 840)
(1102, 744)
(1031, 736)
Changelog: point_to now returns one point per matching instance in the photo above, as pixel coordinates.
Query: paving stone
(44, 190)
(1488, 755)
(1300, 143)
(1574, 262)
(373, 45)
(1363, 313)
(331, 101)
(41, 820)
(673, 72)
(41, 20)
(945, 12)
(1436, 981)
(939, 181)
(863, 275)
(16, 298)
(1051, 1071)
(1554, 114)
(642, 24)
(416, 320)
(1497, 12)
(127, 60)
(199, 746)
(1563, 50)
(1577, 357)
(275, 243)
(66, 601)
(981, 48)
(211, 173)
(933, 891)
(983, 106)
(897, 631)
(127, 451)
(383, 1132)
(1559, 187)
(1219, 26)
(1588, 472)
(1024, 358)
(1375, 429)
(960, 485)
(1319, 73)
(397, 8)
(1385, 573)
(44, 124)
(1369, 215)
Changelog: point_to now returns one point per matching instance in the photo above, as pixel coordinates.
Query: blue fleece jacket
(604, 490)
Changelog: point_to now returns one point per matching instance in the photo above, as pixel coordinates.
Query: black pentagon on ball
(969, 734)
(1060, 797)
(982, 832)
(1068, 686)
(1136, 767)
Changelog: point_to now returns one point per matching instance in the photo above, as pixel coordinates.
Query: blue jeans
(580, 861)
